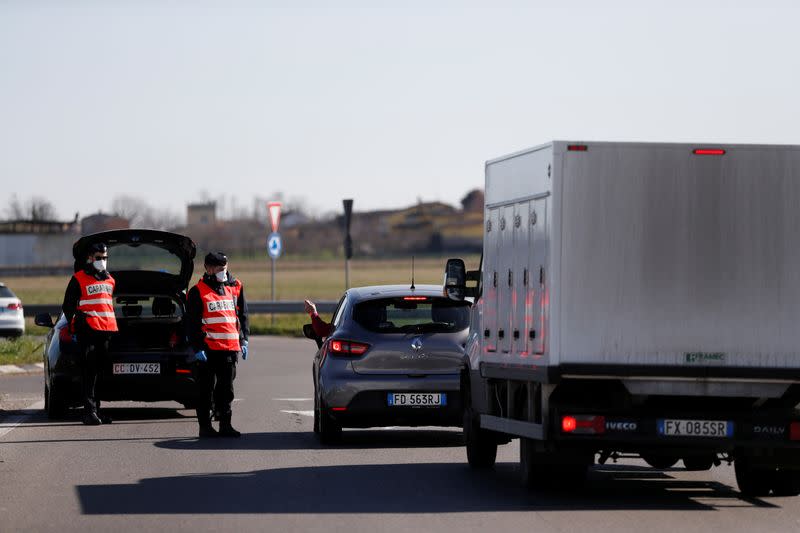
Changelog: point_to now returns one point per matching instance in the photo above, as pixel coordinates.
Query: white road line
(301, 413)
(14, 421)
(292, 399)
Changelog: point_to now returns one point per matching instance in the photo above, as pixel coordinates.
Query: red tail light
(64, 336)
(583, 424)
(15, 306)
(578, 148)
(343, 347)
(794, 431)
(182, 371)
(709, 151)
(339, 409)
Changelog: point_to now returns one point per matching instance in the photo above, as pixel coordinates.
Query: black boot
(104, 418)
(207, 432)
(226, 429)
(90, 418)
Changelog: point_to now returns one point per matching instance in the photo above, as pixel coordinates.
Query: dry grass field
(296, 279)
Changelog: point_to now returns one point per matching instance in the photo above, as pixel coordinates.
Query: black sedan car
(148, 356)
(393, 359)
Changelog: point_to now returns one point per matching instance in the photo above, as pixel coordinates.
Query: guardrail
(254, 308)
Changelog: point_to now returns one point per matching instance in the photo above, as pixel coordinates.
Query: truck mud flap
(508, 426)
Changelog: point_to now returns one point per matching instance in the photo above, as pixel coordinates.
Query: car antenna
(412, 273)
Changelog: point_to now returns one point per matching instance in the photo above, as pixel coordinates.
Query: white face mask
(99, 265)
(221, 276)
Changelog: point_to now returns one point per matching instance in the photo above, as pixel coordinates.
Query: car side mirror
(44, 320)
(455, 279)
(308, 331)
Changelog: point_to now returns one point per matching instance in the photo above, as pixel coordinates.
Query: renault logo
(416, 345)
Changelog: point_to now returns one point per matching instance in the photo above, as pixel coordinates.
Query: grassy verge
(290, 325)
(21, 351)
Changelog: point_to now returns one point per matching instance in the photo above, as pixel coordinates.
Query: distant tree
(36, 208)
(473, 201)
(141, 215)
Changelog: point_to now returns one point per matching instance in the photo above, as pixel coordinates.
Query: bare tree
(36, 208)
(141, 215)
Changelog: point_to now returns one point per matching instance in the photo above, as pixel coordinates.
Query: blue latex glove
(244, 350)
(201, 356)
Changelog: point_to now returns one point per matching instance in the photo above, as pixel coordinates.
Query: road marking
(301, 413)
(292, 399)
(14, 421)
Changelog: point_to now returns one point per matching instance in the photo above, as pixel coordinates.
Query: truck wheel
(54, 404)
(786, 483)
(481, 444)
(697, 463)
(549, 470)
(662, 462)
(753, 480)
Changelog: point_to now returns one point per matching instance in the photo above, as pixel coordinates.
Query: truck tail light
(578, 148)
(794, 431)
(345, 348)
(708, 151)
(583, 424)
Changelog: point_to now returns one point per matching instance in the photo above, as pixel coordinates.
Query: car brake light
(343, 347)
(583, 424)
(15, 306)
(339, 409)
(182, 371)
(415, 298)
(578, 148)
(794, 431)
(709, 151)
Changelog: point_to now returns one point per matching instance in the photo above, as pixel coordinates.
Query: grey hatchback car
(392, 359)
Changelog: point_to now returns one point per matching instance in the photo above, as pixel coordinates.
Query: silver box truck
(637, 299)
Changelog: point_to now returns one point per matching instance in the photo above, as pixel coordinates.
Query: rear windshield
(5, 292)
(142, 257)
(133, 307)
(412, 314)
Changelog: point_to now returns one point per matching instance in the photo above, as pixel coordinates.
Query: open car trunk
(148, 323)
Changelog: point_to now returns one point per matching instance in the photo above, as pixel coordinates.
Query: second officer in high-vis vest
(89, 308)
(216, 318)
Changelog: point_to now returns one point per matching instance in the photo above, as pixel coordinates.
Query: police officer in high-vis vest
(89, 308)
(216, 318)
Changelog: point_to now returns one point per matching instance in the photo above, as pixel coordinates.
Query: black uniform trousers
(215, 380)
(94, 349)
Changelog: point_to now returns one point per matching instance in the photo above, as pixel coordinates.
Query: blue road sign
(274, 245)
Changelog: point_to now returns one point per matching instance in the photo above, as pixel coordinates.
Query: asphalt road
(147, 471)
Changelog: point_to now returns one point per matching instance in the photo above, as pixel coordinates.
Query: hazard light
(583, 424)
(708, 151)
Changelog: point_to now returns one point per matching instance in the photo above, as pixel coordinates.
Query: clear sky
(164, 99)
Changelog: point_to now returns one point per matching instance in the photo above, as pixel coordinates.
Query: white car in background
(12, 322)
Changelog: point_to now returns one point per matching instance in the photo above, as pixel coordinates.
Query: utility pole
(348, 241)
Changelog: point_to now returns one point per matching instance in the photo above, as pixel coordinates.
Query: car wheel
(316, 411)
(54, 404)
(330, 431)
(662, 462)
(481, 444)
(753, 480)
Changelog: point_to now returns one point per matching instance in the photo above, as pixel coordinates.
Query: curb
(21, 369)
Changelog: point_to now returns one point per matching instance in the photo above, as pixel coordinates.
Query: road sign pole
(348, 240)
(272, 293)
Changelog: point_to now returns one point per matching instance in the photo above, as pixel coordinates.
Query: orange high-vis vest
(219, 321)
(97, 302)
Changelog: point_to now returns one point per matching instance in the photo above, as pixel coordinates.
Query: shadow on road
(120, 415)
(399, 488)
(295, 440)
